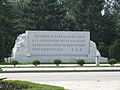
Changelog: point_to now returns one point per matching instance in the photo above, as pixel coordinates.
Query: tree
(103, 49)
(57, 62)
(1, 46)
(81, 62)
(19, 24)
(10, 27)
(6, 26)
(45, 15)
(117, 16)
(14, 62)
(35, 62)
(88, 14)
(114, 50)
(88, 17)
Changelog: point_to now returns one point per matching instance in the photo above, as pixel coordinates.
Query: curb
(38, 71)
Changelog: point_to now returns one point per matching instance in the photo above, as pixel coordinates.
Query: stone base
(50, 59)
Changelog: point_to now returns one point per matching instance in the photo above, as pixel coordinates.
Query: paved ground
(72, 80)
(61, 69)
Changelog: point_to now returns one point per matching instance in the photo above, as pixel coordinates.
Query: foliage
(10, 26)
(45, 15)
(87, 14)
(24, 85)
(35, 62)
(114, 50)
(57, 62)
(6, 16)
(14, 62)
(112, 61)
(88, 17)
(17, 16)
(81, 62)
(103, 49)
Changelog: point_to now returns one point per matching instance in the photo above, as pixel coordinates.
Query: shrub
(57, 62)
(112, 62)
(81, 62)
(35, 62)
(14, 62)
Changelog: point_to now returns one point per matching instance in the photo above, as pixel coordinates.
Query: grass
(4, 63)
(24, 85)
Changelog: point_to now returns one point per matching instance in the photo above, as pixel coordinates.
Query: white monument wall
(49, 45)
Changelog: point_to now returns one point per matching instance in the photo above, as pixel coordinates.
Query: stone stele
(46, 46)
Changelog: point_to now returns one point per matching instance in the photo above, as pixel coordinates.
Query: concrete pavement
(61, 69)
(72, 80)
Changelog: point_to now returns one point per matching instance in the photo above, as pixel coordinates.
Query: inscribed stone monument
(49, 45)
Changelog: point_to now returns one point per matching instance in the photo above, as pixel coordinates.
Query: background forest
(100, 17)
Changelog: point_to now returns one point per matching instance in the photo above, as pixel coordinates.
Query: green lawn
(24, 85)
(52, 66)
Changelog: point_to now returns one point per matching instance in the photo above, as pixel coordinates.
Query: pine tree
(45, 15)
(89, 18)
(19, 23)
(117, 15)
(88, 14)
(6, 35)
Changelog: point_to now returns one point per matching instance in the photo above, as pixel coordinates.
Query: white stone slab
(49, 45)
(58, 43)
